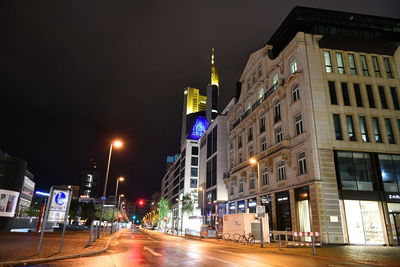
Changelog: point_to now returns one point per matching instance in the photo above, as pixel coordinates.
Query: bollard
(90, 234)
(280, 243)
(313, 244)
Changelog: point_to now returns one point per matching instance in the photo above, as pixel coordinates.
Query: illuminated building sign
(199, 128)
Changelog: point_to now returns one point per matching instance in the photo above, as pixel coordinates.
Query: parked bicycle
(247, 240)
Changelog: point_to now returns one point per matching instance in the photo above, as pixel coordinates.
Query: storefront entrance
(395, 225)
(364, 222)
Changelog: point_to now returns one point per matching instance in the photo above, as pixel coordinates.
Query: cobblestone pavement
(373, 255)
(23, 246)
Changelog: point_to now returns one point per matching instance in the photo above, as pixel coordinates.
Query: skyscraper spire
(214, 71)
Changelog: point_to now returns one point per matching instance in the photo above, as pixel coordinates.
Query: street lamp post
(254, 161)
(119, 200)
(116, 144)
(120, 179)
(203, 204)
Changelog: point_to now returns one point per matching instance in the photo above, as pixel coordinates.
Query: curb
(41, 260)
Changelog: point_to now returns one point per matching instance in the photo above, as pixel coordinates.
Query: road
(139, 248)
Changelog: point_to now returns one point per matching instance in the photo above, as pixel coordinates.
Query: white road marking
(152, 251)
(239, 254)
(228, 262)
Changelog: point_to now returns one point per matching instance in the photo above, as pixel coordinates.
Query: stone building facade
(319, 109)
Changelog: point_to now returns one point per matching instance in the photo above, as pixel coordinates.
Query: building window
(328, 62)
(195, 150)
(364, 129)
(357, 92)
(301, 163)
(275, 80)
(389, 170)
(370, 94)
(388, 69)
(295, 93)
(231, 160)
(263, 142)
(364, 65)
(278, 135)
(240, 157)
(382, 96)
(394, 98)
(376, 66)
(352, 64)
(350, 128)
(195, 161)
(248, 83)
(281, 171)
(252, 182)
(277, 111)
(340, 63)
(211, 172)
(389, 131)
(298, 124)
(345, 92)
(262, 123)
(241, 185)
(193, 183)
(260, 72)
(338, 127)
(250, 133)
(293, 65)
(251, 151)
(332, 92)
(261, 93)
(377, 131)
(231, 144)
(355, 170)
(232, 189)
(193, 172)
(265, 177)
(240, 140)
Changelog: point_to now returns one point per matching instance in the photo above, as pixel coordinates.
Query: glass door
(395, 225)
(304, 217)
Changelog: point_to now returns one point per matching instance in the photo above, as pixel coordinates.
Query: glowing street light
(253, 161)
(116, 144)
(120, 179)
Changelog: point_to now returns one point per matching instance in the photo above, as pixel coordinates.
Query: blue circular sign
(60, 198)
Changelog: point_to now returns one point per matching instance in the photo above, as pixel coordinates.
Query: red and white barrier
(306, 234)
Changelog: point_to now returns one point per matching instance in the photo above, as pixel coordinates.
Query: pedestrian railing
(297, 239)
(102, 229)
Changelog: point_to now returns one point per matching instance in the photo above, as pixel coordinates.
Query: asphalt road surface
(139, 248)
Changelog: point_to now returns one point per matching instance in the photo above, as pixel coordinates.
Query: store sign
(8, 202)
(260, 211)
(393, 196)
(58, 205)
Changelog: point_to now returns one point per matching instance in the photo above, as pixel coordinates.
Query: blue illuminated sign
(199, 128)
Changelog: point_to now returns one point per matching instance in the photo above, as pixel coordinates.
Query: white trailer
(245, 223)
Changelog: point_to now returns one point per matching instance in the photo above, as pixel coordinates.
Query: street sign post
(57, 209)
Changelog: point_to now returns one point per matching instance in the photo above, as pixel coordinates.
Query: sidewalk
(21, 247)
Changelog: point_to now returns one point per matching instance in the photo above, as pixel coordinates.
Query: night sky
(76, 74)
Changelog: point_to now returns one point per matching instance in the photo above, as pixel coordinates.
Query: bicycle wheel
(251, 240)
(236, 237)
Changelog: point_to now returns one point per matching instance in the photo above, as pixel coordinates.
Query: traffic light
(141, 202)
(134, 217)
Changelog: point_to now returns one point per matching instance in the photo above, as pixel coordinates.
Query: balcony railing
(254, 106)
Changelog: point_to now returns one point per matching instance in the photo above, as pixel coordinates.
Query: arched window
(265, 176)
(281, 171)
(295, 92)
(277, 110)
(301, 163)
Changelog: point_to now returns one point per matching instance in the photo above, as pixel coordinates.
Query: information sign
(58, 205)
(260, 211)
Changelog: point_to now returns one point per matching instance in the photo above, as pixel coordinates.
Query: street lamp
(203, 204)
(119, 200)
(120, 179)
(116, 144)
(254, 161)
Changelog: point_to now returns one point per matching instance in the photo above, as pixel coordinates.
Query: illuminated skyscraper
(212, 92)
(193, 101)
